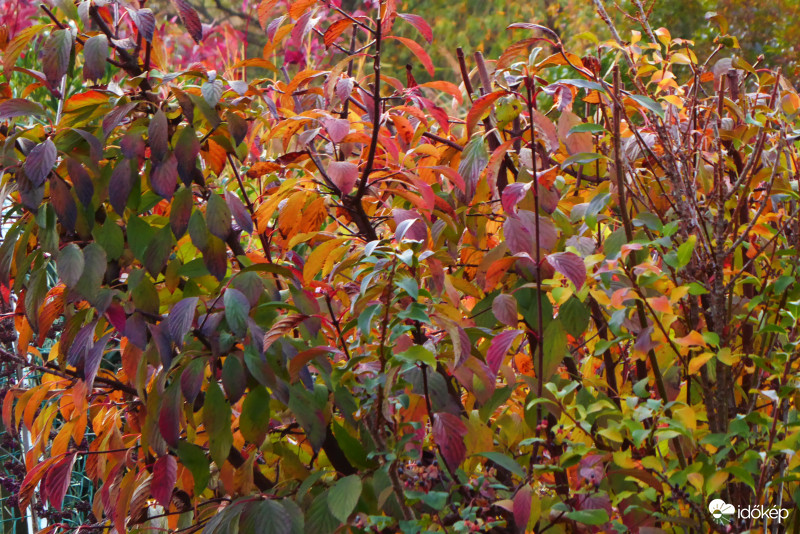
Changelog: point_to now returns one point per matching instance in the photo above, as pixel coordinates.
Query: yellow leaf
(715, 482)
(686, 416)
(692, 339)
(317, 258)
(696, 480)
(696, 363)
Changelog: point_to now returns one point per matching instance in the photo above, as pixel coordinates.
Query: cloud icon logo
(721, 510)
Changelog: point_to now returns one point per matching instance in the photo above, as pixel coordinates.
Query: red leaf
(504, 307)
(512, 194)
(570, 265)
(344, 175)
(448, 433)
(499, 348)
(479, 108)
(546, 129)
(169, 415)
(417, 50)
(335, 30)
(337, 128)
(57, 480)
(63, 203)
(165, 474)
(419, 23)
(190, 19)
(522, 507)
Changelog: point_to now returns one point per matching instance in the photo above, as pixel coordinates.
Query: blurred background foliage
(762, 28)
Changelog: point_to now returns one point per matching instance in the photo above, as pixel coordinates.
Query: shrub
(558, 297)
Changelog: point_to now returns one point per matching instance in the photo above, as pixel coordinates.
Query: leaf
(113, 119)
(84, 188)
(501, 343)
(145, 23)
(420, 24)
(473, 160)
(570, 265)
(55, 56)
(417, 50)
(190, 19)
(169, 414)
(418, 353)
(63, 203)
(93, 358)
(164, 177)
(234, 378)
(158, 252)
(194, 459)
(255, 417)
(343, 497)
(344, 175)
(480, 107)
(513, 194)
(504, 308)
(650, 104)
(335, 30)
(507, 463)
(218, 216)
(187, 147)
(555, 347)
(522, 507)
(57, 479)
(299, 8)
(215, 257)
(180, 210)
(589, 517)
(158, 136)
(120, 186)
(95, 52)
(19, 107)
(237, 308)
(265, 517)
(319, 519)
(212, 92)
(574, 316)
(448, 433)
(240, 213)
(70, 264)
(40, 162)
(192, 378)
(237, 126)
(165, 475)
(217, 422)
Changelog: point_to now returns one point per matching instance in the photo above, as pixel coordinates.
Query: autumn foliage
(307, 293)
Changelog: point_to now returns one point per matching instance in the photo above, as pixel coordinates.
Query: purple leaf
(570, 265)
(93, 358)
(164, 177)
(169, 415)
(55, 56)
(95, 53)
(344, 175)
(158, 136)
(504, 308)
(120, 185)
(190, 19)
(337, 128)
(218, 216)
(410, 225)
(113, 119)
(180, 319)
(165, 474)
(145, 23)
(522, 507)
(499, 348)
(84, 188)
(63, 204)
(40, 162)
(19, 107)
(240, 213)
(344, 88)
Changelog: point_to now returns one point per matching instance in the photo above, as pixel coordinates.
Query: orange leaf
(264, 9)
(298, 9)
(660, 304)
(479, 108)
(693, 338)
(335, 30)
(50, 310)
(215, 157)
(447, 87)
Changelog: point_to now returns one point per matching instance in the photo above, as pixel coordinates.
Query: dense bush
(303, 292)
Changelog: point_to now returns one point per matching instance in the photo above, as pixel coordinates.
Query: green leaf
(217, 420)
(685, 251)
(234, 378)
(555, 347)
(70, 264)
(237, 310)
(582, 159)
(194, 459)
(650, 104)
(319, 519)
(589, 517)
(585, 84)
(109, 235)
(586, 127)
(218, 217)
(265, 517)
(574, 316)
(504, 461)
(343, 497)
(158, 251)
(418, 353)
(255, 417)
